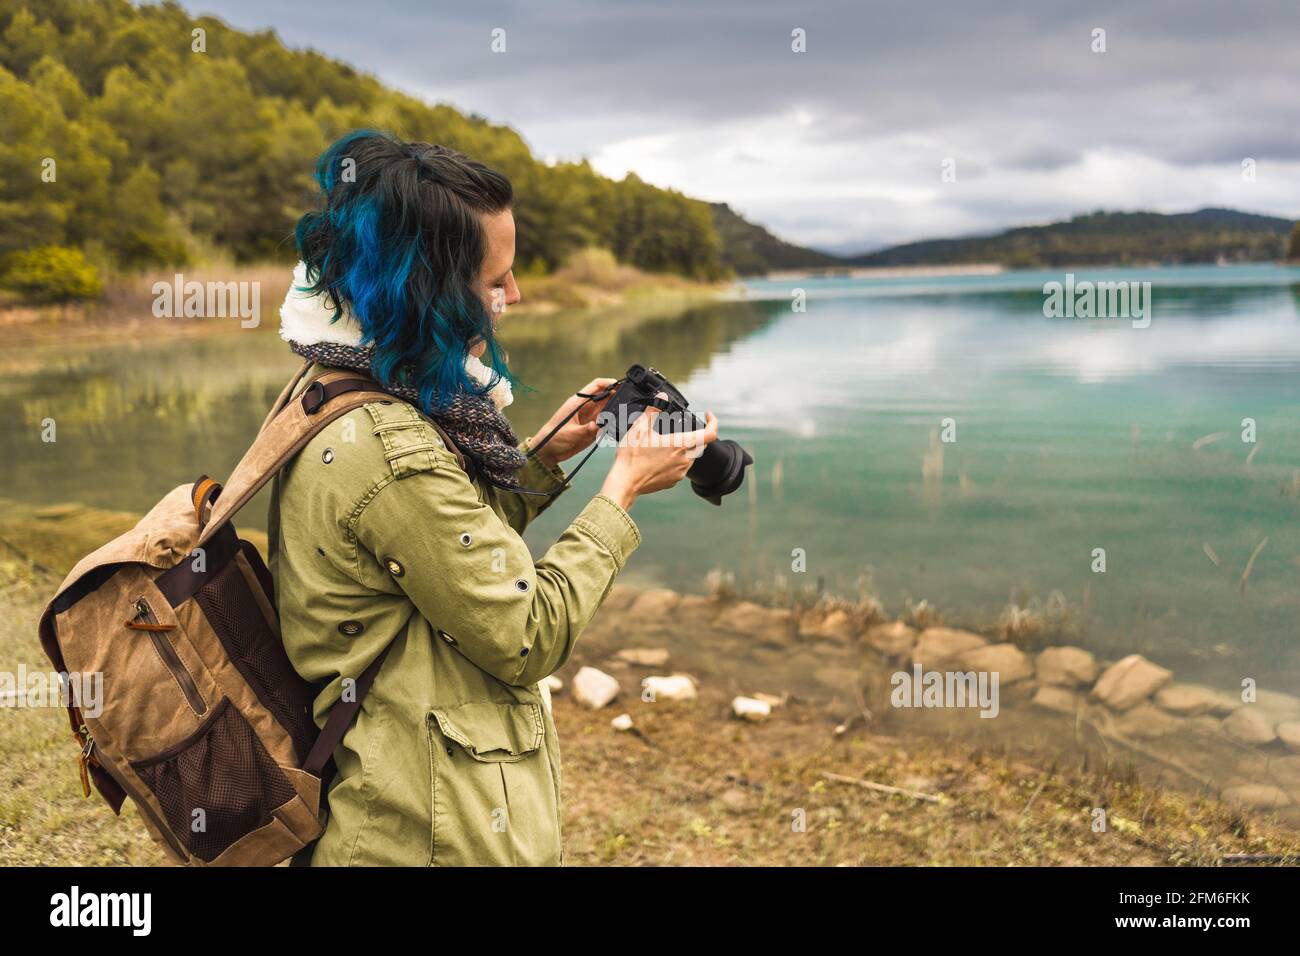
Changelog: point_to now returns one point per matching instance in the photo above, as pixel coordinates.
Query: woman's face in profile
(496, 276)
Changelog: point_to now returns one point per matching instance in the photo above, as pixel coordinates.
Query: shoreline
(590, 284)
(654, 795)
(886, 272)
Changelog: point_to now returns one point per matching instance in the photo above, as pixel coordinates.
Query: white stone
(593, 688)
(622, 722)
(1130, 681)
(673, 687)
(748, 708)
(1066, 667)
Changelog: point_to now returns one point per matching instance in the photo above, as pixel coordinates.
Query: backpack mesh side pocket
(222, 770)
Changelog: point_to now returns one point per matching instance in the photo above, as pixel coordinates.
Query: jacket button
(351, 628)
(448, 638)
(449, 752)
(327, 455)
(395, 567)
(465, 539)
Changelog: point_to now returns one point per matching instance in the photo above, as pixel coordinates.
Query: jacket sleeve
(473, 578)
(520, 508)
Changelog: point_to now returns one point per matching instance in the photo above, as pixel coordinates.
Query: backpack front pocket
(494, 795)
(217, 785)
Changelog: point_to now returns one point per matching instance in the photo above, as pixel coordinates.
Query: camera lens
(719, 471)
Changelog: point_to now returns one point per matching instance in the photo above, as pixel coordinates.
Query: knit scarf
(474, 422)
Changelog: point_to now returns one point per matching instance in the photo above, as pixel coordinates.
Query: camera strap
(587, 399)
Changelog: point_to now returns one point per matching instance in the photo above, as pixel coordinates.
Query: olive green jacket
(378, 536)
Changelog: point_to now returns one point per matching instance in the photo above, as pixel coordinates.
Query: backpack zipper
(146, 620)
(87, 756)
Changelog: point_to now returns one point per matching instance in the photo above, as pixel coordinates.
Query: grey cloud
(1188, 83)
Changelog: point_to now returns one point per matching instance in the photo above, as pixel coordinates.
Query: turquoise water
(1071, 435)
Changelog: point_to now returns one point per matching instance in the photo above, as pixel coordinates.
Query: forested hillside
(136, 136)
(748, 249)
(1106, 238)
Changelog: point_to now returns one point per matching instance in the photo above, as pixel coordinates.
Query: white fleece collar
(306, 319)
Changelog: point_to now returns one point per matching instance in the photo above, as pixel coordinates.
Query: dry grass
(713, 791)
(695, 788)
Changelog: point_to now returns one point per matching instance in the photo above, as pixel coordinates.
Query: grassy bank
(692, 785)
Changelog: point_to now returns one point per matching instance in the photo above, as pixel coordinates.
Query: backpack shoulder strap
(340, 719)
(293, 421)
(326, 398)
(287, 392)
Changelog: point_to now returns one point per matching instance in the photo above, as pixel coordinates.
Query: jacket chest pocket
(494, 795)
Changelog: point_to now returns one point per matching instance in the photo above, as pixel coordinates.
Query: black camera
(718, 471)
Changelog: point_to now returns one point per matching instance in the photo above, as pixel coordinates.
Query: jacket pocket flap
(493, 732)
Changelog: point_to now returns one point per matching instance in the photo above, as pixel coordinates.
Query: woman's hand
(648, 461)
(578, 432)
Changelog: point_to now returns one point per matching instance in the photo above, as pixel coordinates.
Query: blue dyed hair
(399, 243)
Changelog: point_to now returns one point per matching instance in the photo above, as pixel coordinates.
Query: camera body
(718, 471)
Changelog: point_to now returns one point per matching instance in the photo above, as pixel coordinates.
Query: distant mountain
(1105, 238)
(748, 249)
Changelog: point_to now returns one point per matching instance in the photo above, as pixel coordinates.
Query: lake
(933, 439)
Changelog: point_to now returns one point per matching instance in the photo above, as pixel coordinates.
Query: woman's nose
(513, 295)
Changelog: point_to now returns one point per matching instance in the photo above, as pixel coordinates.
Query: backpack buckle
(313, 397)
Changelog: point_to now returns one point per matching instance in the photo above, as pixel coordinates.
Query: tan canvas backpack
(204, 722)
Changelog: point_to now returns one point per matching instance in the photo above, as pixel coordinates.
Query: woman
(400, 523)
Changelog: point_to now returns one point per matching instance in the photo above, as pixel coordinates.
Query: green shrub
(51, 274)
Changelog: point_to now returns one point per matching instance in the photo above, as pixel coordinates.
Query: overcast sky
(843, 146)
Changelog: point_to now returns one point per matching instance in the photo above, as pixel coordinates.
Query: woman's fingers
(646, 422)
(594, 407)
(702, 436)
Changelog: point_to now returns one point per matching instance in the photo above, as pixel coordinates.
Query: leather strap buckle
(313, 397)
